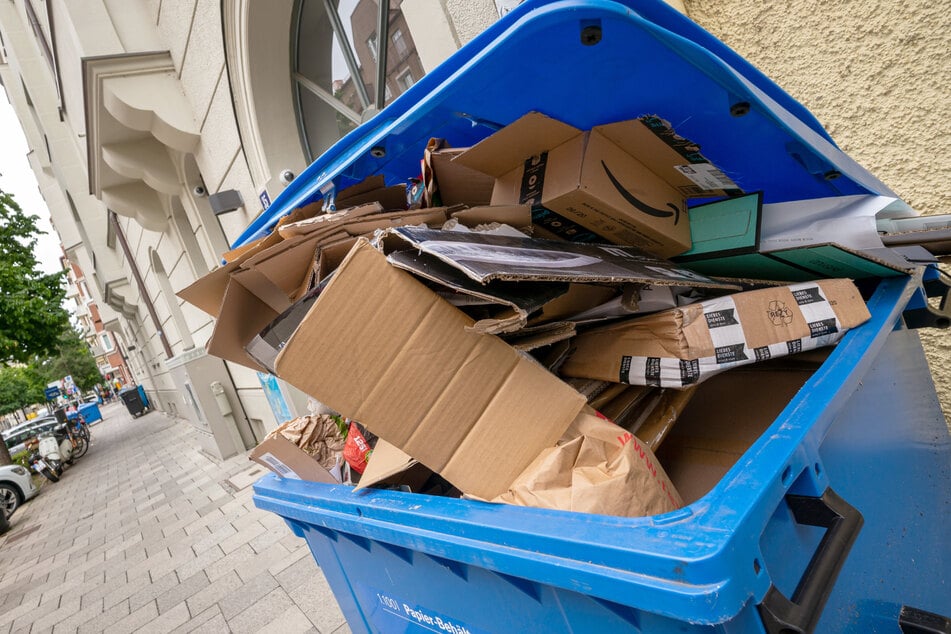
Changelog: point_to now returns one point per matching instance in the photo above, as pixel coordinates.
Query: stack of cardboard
(443, 329)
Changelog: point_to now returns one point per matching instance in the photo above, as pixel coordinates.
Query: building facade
(160, 129)
(103, 344)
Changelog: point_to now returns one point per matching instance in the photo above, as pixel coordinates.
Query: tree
(32, 316)
(20, 385)
(73, 358)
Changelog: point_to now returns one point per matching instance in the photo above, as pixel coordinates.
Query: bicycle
(81, 428)
(79, 437)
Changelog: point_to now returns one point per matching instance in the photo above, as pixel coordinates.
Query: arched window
(349, 59)
(305, 72)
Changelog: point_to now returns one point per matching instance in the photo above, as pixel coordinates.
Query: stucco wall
(876, 74)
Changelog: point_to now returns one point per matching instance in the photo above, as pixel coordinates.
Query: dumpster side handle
(802, 612)
(919, 313)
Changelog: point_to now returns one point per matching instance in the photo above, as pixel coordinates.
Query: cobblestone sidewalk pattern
(147, 534)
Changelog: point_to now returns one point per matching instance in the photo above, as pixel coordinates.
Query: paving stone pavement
(147, 534)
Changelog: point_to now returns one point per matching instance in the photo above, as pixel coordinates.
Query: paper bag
(318, 436)
(597, 467)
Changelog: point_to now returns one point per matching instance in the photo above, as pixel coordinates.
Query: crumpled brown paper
(597, 467)
(318, 436)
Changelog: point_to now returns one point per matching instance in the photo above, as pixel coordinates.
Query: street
(145, 533)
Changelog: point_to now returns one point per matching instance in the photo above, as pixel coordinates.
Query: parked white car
(16, 487)
(16, 437)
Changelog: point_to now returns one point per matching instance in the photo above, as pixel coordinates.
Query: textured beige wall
(877, 74)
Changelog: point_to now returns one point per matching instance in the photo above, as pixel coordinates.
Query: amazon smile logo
(639, 204)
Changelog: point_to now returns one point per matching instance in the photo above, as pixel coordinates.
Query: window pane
(323, 124)
(331, 97)
(321, 60)
(401, 56)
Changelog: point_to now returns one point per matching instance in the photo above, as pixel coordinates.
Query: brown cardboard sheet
(723, 419)
(381, 348)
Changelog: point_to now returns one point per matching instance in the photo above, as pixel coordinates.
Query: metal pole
(383, 36)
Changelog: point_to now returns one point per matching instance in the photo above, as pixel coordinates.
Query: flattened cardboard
(579, 297)
(833, 260)
(625, 182)
(521, 299)
(492, 257)
(680, 347)
(518, 216)
(381, 348)
(322, 222)
(385, 462)
(372, 189)
(242, 317)
(274, 237)
(534, 337)
(288, 461)
(208, 291)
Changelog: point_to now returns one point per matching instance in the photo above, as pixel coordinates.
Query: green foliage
(21, 458)
(20, 386)
(73, 358)
(32, 317)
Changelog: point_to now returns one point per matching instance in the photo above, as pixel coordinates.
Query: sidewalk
(144, 533)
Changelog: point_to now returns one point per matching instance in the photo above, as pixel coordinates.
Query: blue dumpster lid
(650, 59)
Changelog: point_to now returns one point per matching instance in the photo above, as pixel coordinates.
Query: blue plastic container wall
(843, 501)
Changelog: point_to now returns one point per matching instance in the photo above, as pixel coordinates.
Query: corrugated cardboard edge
(385, 462)
(457, 419)
(505, 150)
(293, 458)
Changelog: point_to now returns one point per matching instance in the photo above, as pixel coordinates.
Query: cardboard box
(625, 182)
(680, 347)
(449, 183)
(380, 347)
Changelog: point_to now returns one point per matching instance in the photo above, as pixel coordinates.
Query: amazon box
(683, 346)
(623, 182)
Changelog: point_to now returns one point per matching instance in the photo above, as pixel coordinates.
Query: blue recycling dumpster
(834, 519)
(90, 412)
